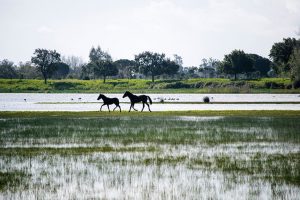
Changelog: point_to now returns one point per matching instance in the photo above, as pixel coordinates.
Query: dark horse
(108, 101)
(136, 99)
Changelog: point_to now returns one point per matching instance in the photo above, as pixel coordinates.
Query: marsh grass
(12, 180)
(148, 129)
(276, 168)
(161, 155)
(34, 151)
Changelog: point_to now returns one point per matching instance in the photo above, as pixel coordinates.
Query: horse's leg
(133, 107)
(130, 108)
(108, 107)
(101, 107)
(120, 108)
(115, 107)
(148, 107)
(143, 107)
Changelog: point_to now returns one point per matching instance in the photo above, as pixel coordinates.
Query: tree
(86, 71)
(7, 69)
(170, 67)
(236, 62)
(261, 64)
(294, 62)
(101, 64)
(104, 69)
(28, 71)
(126, 67)
(44, 60)
(209, 67)
(280, 54)
(178, 60)
(76, 66)
(61, 70)
(210, 63)
(150, 63)
(97, 54)
(191, 72)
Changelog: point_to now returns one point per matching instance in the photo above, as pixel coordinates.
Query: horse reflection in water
(136, 99)
(108, 101)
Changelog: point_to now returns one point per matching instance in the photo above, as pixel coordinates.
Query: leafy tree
(44, 60)
(261, 64)
(179, 61)
(28, 71)
(150, 63)
(86, 71)
(294, 62)
(97, 54)
(280, 54)
(236, 62)
(101, 64)
(126, 67)
(61, 70)
(7, 69)
(104, 69)
(170, 67)
(191, 72)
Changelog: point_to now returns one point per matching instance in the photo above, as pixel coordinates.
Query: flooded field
(172, 102)
(130, 157)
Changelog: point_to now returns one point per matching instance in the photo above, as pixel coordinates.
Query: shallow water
(84, 102)
(167, 172)
(82, 97)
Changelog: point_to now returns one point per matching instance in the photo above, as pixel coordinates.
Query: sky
(193, 29)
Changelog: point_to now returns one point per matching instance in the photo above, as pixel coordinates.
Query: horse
(108, 101)
(136, 99)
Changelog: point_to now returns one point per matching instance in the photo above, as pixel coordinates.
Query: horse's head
(126, 94)
(100, 96)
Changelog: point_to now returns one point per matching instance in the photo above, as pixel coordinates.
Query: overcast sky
(193, 29)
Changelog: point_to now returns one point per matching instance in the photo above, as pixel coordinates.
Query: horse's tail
(149, 99)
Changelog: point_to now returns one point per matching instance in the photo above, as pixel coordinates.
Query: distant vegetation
(46, 64)
(197, 85)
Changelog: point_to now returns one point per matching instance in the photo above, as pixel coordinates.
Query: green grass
(199, 85)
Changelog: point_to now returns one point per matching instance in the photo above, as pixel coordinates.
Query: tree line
(284, 62)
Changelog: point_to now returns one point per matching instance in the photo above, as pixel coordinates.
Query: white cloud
(293, 6)
(193, 29)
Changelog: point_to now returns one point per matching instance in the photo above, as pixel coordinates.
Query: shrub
(177, 85)
(206, 99)
(296, 84)
(63, 85)
(199, 85)
(274, 85)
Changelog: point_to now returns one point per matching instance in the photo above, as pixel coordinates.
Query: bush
(239, 83)
(63, 85)
(274, 85)
(177, 85)
(296, 84)
(206, 99)
(199, 85)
